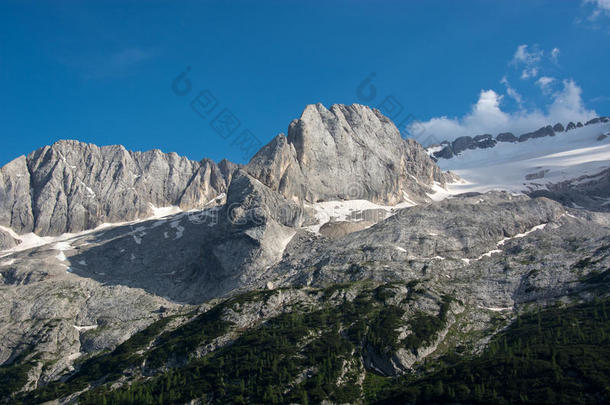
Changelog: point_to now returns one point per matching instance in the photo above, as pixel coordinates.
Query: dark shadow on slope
(171, 257)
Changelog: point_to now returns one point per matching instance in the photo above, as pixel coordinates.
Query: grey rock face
(558, 127)
(507, 137)
(484, 247)
(6, 240)
(15, 196)
(335, 230)
(446, 152)
(194, 256)
(570, 126)
(463, 143)
(589, 191)
(347, 152)
(542, 132)
(493, 250)
(72, 186)
(62, 316)
(484, 141)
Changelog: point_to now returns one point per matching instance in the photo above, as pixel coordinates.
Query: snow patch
(503, 241)
(439, 193)
(84, 328)
(62, 246)
(138, 234)
(160, 212)
(497, 309)
(488, 254)
(346, 210)
(522, 235)
(179, 229)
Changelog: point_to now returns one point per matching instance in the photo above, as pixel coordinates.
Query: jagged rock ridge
(347, 152)
(72, 186)
(447, 150)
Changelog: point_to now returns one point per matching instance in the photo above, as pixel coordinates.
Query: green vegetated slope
(556, 355)
(306, 355)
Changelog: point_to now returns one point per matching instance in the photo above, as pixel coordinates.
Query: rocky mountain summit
(340, 264)
(347, 152)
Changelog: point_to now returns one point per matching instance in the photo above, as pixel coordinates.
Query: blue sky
(102, 72)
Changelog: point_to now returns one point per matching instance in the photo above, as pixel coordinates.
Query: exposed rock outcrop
(345, 152)
(6, 240)
(484, 141)
(507, 137)
(73, 186)
(540, 133)
(462, 143)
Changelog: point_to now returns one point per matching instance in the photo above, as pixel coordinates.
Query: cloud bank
(488, 117)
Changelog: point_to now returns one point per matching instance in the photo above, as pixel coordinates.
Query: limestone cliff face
(345, 152)
(6, 240)
(72, 186)
(15, 199)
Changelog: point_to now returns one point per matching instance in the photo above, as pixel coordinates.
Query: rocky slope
(7, 240)
(295, 253)
(411, 288)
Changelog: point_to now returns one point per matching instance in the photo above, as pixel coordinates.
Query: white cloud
(545, 83)
(529, 59)
(523, 55)
(568, 104)
(601, 6)
(512, 93)
(555, 54)
(530, 72)
(487, 116)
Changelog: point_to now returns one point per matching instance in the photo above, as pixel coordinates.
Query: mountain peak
(345, 152)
